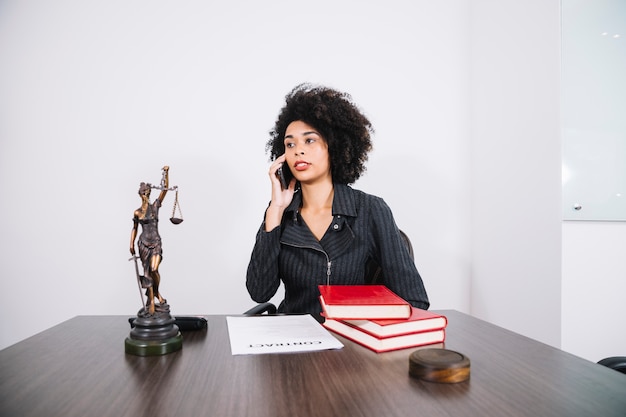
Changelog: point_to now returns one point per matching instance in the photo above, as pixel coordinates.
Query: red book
(385, 344)
(362, 302)
(419, 321)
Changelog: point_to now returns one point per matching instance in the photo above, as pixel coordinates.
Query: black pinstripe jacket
(363, 227)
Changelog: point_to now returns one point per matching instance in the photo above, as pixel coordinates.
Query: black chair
(258, 309)
(615, 362)
(373, 275)
(373, 271)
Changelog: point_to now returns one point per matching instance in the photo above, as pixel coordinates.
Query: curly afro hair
(342, 125)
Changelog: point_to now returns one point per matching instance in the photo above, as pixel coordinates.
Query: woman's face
(306, 153)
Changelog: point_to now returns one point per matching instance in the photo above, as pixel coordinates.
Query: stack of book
(377, 318)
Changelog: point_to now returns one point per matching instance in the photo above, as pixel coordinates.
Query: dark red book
(385, 344)
(419, 321)
(362, 302)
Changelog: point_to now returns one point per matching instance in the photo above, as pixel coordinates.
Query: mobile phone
(284, 175)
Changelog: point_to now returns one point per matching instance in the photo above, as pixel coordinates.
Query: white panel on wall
(594, 109)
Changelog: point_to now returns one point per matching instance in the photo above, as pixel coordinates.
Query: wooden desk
(79, 368)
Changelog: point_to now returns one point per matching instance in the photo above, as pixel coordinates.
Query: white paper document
(250, 335)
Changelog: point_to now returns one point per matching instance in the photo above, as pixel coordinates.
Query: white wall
(559, 282)
(96, 97)
(516, 166)
(594, 284)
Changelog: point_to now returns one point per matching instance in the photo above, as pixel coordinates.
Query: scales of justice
(154, 331)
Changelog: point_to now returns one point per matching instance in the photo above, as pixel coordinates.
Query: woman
(149, 244)
(318, 230)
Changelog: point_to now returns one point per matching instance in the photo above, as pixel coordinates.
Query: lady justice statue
(154, 330)
(150, 250)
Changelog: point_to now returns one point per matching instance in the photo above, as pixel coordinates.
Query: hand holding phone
(281, 197)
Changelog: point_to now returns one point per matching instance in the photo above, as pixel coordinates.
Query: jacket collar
(344, 203)
(341, 236)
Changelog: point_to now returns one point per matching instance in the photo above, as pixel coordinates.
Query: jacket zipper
(328, 271)
(328, 261)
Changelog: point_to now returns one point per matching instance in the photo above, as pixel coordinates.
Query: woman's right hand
(280, 198)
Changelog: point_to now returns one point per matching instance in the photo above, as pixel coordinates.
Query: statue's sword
(135, 257)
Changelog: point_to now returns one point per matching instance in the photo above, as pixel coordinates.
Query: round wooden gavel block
(439, 365)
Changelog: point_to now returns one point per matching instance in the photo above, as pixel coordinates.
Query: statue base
(153, 347)
(154, 334)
